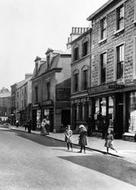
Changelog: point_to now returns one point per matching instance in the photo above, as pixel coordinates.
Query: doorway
(118, 120)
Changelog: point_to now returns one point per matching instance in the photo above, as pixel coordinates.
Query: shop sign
(116, 86)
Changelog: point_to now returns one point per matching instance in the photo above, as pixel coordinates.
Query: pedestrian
(43, 128)
(29, 126)
(109, 140)
(68, 135)
(47, 124)
(105, 126)
(17, 123)
(82, 138)
(90, 124)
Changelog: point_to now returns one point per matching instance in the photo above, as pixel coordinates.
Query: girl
(68, 135)
(82, 138)
(109, 141)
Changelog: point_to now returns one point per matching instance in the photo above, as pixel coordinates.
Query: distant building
(24, 99)
(5, 104)
(51, 89)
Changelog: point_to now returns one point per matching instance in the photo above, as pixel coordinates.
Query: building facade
(5, 104)
(51, 89)
(113, 65)
(24, 99)
(13, 104)
(80, 76)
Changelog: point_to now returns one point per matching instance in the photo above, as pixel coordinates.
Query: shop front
(48, 110)
(80, 111)
(109, 109)
(36, 116)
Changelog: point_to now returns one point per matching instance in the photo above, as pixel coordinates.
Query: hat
(81, 126)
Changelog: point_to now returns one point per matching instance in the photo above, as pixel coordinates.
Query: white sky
(30, 27)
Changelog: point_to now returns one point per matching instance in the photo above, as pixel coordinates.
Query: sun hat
(81, 126)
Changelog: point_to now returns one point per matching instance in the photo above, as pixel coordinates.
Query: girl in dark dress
(82, 138)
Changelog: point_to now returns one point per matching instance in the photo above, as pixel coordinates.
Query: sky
(30, 27)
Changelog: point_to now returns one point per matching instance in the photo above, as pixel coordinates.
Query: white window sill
(118, 31)
(102, 41)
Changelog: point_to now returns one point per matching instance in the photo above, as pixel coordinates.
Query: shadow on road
(42, 140)
(117, 168)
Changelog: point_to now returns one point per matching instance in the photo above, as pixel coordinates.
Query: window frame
(85, 45)
(103, 28)
(75, 53)
(119, 17)
(120, 59)
(103, 67)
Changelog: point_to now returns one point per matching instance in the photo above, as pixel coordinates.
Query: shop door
(118, 124)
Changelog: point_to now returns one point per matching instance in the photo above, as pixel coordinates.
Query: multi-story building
(13, 103)
(80, 76)
(24, 99)
(113, 64)
(5, 104)
(51, 89)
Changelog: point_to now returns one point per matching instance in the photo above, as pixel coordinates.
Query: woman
(43, 129)
(68, 135)
(82, 138)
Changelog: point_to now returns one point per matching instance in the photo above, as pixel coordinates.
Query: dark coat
(83, 138)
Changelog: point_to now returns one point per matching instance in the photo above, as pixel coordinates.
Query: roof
(100, 9)
(22, 83)
(81, 36)
(4, 92)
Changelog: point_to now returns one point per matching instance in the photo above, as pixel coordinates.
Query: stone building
(51, 89)
(80, 75)
(5, 104)
(113, 65)
(24, 99)
(13, 104)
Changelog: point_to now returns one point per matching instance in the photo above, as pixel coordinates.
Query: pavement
(125, 149)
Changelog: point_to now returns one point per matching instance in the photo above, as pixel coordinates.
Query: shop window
(132, 111)
(103, 26)
(85, 48)
(103, 60)
(120, 61)
(103, 106)
(111, 108)
(120, 18)
(76, 53)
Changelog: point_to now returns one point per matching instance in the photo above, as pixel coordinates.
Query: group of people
(82, 141)
(82, 138)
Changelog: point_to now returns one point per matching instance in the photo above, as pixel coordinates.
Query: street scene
(29, 161)
(68, 95)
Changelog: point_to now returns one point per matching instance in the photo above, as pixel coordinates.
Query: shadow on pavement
(42, 140)
(108, 165)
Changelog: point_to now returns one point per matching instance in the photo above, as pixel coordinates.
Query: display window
(132, 112)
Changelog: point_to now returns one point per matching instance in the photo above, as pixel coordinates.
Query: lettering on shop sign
(63, 94)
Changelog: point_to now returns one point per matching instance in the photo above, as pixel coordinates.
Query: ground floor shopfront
(117, 103)
(58, 114)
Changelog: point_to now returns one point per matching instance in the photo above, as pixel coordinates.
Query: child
(68, 135)
(109, 141)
